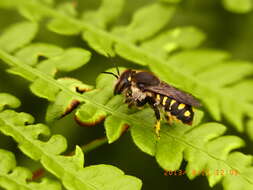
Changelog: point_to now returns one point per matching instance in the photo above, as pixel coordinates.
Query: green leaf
(14, 177)
(22, 73)
(238, 6)
(99, 42)
(18, 35)
(71, 59)
(7, 100)
(144, 136)
(130, 53)
(57, 60)
(88, 114)
(108, 11)
(69, 169)
(242, 90)
(227, 73)
(166, 42)
(146, 22)
(62, 26)
(195, 61)
(44, 90)
(235, 117)
(64, 103)
(115, 128)
(234, 180)
(32, 14)
(31, 53)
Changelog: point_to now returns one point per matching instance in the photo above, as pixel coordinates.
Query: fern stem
(94, 144)
(91, 145)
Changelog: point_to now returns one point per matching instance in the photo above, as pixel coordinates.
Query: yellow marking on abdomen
(164, 100)
(172, 102)
(187, 113)
(181, 106)
(129, 78)
(158, 97)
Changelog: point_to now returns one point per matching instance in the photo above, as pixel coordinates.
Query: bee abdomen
(186, 116)
(181, 111)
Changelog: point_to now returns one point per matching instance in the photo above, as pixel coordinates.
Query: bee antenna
(117, 69)
(110, 73)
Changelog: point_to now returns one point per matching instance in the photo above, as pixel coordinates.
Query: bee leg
(158, 121)
(157, 128)
(169, 118)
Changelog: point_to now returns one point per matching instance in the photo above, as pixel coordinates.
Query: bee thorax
(137, 94)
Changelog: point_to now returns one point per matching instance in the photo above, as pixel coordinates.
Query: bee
(143, 87)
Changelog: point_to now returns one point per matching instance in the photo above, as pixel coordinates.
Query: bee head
(124, 81)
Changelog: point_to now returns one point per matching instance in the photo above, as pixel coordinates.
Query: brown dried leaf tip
(90, 123)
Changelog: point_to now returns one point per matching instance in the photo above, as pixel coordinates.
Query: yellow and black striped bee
(141, 87)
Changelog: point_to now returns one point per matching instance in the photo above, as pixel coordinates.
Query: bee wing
(172, 92)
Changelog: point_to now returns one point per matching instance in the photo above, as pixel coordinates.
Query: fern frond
(155, 15)
(203, 147)
(13, 177)
(18, 35)
(56, 59)
(7, 100)
(13, 61)
(65, 28)
(69, 169)
(123, 41)
(105, 14)
(65, 103)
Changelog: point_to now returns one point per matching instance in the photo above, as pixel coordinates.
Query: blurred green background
(225, 30)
